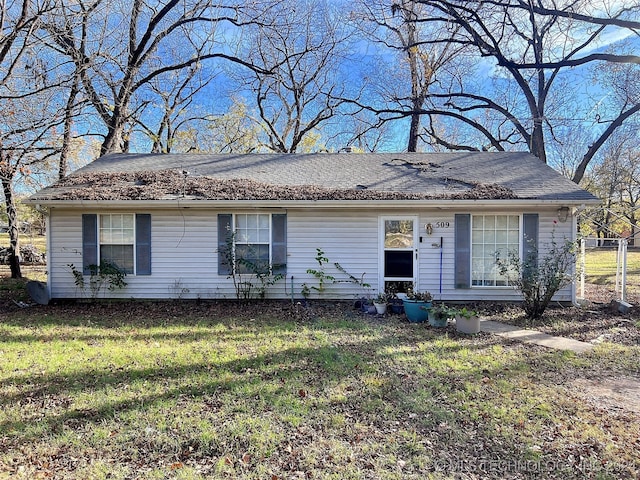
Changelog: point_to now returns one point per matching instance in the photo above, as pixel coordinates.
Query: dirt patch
(603, 294)
(610, 393)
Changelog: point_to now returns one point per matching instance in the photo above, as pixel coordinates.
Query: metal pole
(618, 262)
(440, 296)
(623, 283)
(583, 254)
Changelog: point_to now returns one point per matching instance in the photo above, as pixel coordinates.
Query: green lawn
(600, 265)
(277, 391)
(38, 240)
(600, 268)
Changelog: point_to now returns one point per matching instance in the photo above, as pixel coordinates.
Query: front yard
(282, 391)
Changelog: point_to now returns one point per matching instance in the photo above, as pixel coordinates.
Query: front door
(399, 252)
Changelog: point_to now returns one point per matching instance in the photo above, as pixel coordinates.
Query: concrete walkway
(532, 336)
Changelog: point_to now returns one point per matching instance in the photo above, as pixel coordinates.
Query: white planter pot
(381, 308)
(469, 325)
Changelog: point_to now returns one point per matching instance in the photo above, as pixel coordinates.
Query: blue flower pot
(416, 311)
(397, 308)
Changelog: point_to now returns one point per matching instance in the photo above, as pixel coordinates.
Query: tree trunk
(537, 146)
(63, 165)
(113, 142)
(414, 133)
(633, 227)
(416, 100)
(14, 241)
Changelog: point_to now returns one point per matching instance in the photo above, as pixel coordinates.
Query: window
(492, 236)
(259, 243)
(252, 240)
(121, 239)
(117, 241)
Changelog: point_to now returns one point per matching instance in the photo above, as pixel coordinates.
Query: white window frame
(382, 279)
(100, 243)
(238, 241)
(518, 242)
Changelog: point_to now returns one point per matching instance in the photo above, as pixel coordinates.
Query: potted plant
(467, 321)
(417, 305)
(396, 304)
(380, 302)
(365, 305)
(440, 314)
(394, 300)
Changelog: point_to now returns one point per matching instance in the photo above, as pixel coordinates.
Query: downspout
(47, 226)
(574, 235)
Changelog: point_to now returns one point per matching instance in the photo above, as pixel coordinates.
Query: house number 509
(442, 224)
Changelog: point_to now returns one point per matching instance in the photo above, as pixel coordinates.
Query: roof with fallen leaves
(316, 176)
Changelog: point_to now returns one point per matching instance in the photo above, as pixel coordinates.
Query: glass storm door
(399, 252)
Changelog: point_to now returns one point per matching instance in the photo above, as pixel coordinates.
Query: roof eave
(338, 204)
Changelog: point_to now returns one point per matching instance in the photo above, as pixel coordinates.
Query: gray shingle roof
(436, 175)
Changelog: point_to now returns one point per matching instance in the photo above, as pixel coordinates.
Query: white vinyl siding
(185, 254)
(348, 237)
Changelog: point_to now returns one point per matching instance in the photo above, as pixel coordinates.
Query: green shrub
(538, 278)
(100, 276)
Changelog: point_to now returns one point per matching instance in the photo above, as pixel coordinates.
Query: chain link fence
(611, 271)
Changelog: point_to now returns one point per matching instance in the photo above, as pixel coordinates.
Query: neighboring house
(436, 220)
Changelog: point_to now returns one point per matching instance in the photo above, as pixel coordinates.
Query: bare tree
(231, 132)
(67, 132)
(298, 88)
(120, 49)
(176, 108)
(615, 177)
(528, 84)
(534, 47)
(28, 105)
(397, 26)
(618, 73)
(366, 133)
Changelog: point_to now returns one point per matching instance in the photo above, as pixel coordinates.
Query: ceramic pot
(416, 311)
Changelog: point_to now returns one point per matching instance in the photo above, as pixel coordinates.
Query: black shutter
(463, 250)
(279, 243)
(143, 244)
(224, 243)
(529, 242)
(89, 242)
